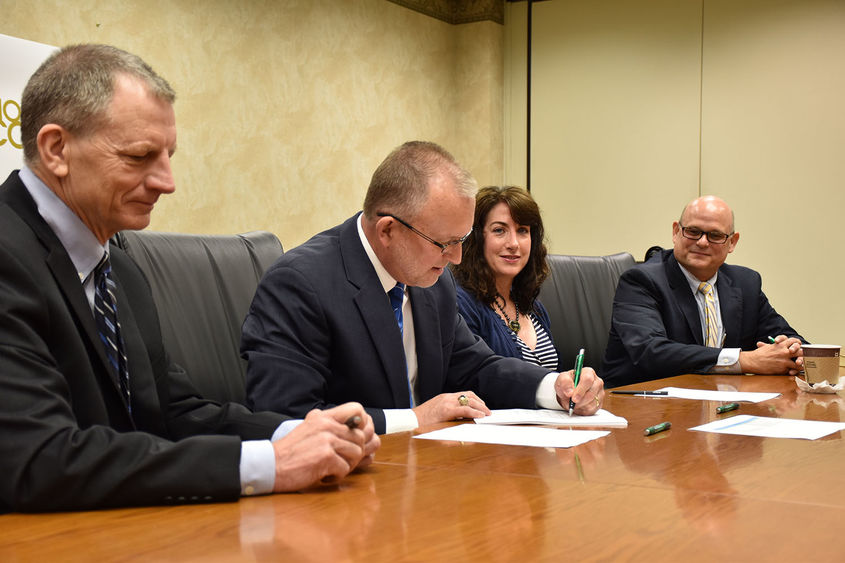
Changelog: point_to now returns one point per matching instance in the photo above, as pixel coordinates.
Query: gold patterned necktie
(709, 315)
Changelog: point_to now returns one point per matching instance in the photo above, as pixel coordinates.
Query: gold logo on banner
(8, 121)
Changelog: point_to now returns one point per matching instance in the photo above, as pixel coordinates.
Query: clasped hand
(783, 356)
(323, 448)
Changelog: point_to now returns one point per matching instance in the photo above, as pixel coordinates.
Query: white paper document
(553, 418)
(767, 427)
(726, 396)
(514, 435)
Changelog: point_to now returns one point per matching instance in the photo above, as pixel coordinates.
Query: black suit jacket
(321, 331)
(68, 441)
(655, 331)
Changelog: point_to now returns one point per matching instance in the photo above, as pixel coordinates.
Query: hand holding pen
(777, 355)
(583, 393)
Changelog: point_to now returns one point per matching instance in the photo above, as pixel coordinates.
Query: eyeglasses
(443, 246)
(714, 237)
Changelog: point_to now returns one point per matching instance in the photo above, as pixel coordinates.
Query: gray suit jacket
(68, 439)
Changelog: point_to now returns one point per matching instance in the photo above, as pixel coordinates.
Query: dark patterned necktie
(108, 327)
(397, 296)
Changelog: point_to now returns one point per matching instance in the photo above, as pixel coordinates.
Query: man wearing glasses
(686, 311)
(366, 311)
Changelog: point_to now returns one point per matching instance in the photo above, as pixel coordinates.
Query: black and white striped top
(544, 354)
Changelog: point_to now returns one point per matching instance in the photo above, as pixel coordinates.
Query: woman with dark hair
(503, 266)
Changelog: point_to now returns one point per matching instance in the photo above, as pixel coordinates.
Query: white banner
(19, 58)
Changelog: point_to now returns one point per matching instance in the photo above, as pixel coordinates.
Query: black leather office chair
(578, 295)
(202, 286)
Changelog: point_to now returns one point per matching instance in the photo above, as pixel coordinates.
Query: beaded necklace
(512, 324)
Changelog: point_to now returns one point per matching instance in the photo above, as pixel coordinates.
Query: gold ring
(463, 400)
(598, 404)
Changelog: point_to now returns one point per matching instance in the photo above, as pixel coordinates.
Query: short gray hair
(400, 183)
(73, 88)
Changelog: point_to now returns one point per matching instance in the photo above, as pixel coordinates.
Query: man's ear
(52, 149)
(385, 229)
(732, 242)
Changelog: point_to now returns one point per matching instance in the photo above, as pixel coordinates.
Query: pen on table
(579, 363)
(353, 421)
(657, 428)
(579, 468)
(643, 393)
(725, 408)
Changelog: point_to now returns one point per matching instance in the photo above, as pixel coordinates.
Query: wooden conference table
(677, 495)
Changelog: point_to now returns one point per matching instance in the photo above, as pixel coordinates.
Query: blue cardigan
(483, 321)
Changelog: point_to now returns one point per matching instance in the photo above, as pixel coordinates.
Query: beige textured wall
(640, 106)
(285, 108)
(773, 144)
(615, 115)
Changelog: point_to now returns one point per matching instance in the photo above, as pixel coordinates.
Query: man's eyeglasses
(443, 246)
(714, 237)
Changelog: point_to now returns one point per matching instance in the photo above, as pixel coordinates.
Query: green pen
(579, 468)
(579, 363)
(725, 408)
(657, 428)
(771, 340)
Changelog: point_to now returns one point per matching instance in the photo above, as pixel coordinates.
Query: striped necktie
(108, 327)
(712, 331)
(397, 297)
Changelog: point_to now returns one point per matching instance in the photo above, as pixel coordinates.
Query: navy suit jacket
(68, 440)
(321, 331)
(655, 330)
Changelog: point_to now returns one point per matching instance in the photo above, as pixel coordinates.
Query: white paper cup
(821, 363)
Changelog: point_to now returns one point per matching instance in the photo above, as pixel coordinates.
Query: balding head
(710, 204)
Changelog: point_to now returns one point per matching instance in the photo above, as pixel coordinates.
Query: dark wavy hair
(475, 275)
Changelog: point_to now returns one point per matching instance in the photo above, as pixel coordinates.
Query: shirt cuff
(285, 428)
(258, 467)
(258, 461)
(546, 394)
(728, 361)
(399, 420)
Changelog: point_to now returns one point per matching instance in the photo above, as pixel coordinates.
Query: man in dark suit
(686, 311)
(324, 327)
(91, 412)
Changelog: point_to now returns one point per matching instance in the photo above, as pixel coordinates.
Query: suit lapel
(62, 269)
(376, 313)
(683, 297)
(730, 305)
(429, 348)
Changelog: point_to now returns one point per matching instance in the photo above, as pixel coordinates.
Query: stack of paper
(602, 418)
(498, 428)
